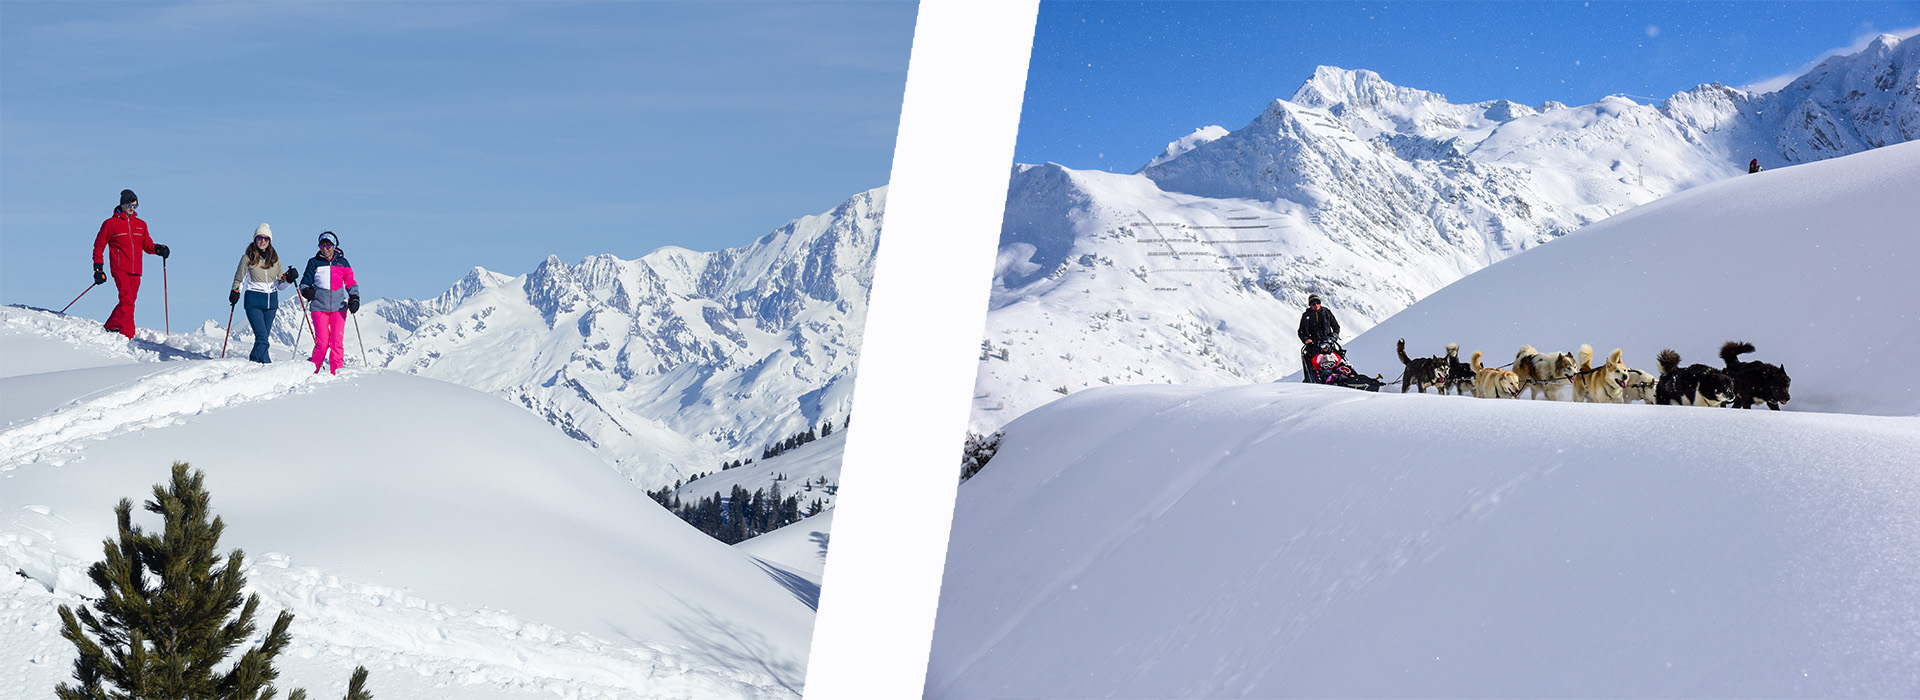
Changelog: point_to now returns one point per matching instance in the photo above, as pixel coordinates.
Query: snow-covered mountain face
(666, 366)
(1196, 268)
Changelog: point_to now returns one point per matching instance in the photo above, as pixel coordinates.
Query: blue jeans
(260, 310)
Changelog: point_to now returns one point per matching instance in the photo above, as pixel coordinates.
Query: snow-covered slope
(1372, 195)
(451, 542)
(665, 366)
(1290, 540)
(800, 547)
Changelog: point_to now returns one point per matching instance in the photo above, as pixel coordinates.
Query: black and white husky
(1754, 380)
(1427, 371)
(1693, 385)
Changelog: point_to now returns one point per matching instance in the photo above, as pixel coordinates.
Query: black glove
(99, 275)
(160, 250)
(306, 293)
(292, 276)
(233, 297)
(353, 303)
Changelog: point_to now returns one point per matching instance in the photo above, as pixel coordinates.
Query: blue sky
(1112, 83)
(432, 136)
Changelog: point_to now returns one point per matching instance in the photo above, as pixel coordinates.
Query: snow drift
(1288, 540)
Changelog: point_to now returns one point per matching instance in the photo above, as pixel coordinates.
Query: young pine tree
(166, 612)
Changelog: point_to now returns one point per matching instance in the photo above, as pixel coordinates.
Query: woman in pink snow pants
(331, 294)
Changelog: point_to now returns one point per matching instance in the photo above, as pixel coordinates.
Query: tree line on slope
(741, 514)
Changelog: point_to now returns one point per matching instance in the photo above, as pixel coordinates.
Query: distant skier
(260, 278)
(1317, 327)
(331, 293)
(1753, 166)
(126, 236)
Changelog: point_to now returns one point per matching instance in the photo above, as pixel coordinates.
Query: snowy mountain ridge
(1194, 269)
(666, 365)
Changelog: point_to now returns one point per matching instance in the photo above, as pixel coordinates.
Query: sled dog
(1754, 380)
(1489, 383)
(1693, 385)
(1639, 386)
(1603, 384)
(1539, 372)
(1426, 371)
(1459, 376)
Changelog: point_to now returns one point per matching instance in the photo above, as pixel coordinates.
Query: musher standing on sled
(1317, 327)
(126, 236)
(331, 293)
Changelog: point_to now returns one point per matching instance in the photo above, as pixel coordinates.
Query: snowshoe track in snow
(169, 397)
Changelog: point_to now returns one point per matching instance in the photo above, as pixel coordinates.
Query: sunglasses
(262, 238)
(326, 245)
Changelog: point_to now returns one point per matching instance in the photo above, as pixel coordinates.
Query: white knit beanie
(264, 231)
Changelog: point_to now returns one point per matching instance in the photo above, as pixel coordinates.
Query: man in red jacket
(126, 235)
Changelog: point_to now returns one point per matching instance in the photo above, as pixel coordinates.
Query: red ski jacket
(126, 235)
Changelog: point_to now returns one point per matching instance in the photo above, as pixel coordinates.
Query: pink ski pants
(329, 335)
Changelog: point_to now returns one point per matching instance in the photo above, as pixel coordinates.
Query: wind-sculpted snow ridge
(1195, 269)
(1291, 540)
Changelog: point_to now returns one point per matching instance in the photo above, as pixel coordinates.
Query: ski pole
(223, 339)
(307, 314)
(165, 307)
(357, 340)
(83, 292)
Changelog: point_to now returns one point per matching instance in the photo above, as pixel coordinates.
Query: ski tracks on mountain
(169, 397)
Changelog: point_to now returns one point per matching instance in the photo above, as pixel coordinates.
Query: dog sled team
(1739, 384)
(328, 284)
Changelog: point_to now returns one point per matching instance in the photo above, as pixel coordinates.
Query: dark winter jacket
(331, 281)
(125, 235)
(1318, 324)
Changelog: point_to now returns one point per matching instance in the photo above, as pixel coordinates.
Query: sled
(1328, 365)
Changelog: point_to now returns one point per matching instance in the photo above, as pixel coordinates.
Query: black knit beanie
(127, 196)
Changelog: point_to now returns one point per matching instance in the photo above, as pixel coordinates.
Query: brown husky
(1603, 384)
(1494, 383)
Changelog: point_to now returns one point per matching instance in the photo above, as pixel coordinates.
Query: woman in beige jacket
(259, 277)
